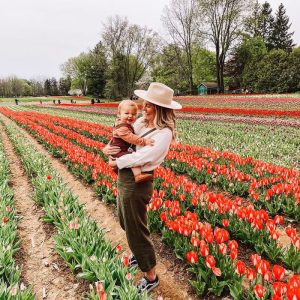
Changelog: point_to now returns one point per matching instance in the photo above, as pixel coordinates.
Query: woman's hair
(165, 117)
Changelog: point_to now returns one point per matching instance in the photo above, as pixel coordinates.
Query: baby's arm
(125, 134)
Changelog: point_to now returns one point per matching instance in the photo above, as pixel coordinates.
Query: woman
(158, 123)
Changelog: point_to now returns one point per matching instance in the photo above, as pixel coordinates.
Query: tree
(278, 72)
(97, 72)
(130, 50)
(47, 87)
(54, 87)
(242, 65)
(77, 68)
(168, 68)
(64, 85)
(204, 65)
(224, 19)
(281, 38)
(181, 18)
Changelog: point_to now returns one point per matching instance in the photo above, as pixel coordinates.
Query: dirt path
(42, 267)
(171, 287)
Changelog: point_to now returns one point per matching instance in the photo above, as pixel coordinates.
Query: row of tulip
(280, 147)
(230, 111)
(10, 274)
(78, 240)
(273, 187)
(197, 117)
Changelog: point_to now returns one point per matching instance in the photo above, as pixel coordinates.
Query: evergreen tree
(47, 87)
(266, 23)
(97, 72)
(64, 85)
(281, 38)
(54, 87)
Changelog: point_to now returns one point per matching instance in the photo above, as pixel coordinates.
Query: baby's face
(128, 114)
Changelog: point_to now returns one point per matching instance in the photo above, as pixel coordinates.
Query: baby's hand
(149, 142)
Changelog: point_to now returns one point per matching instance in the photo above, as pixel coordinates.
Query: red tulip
(48, 177)
(279, 288)
(99, 286)
(118, 248)
(4, 220)
(204, 250)
(255, 258)
(278, 272)
(210, 261)
(103, 295)
(263, 267)
(250, 273)
(195, 241)
(216, 271)
(223, 248)
(293, 288)
(234, 253)
(125, 260)
(221, 235)
(163, 216)
(278, 219)
(192, 257)
(225, 222)
(259, 290)
(240, 267)
(233, 244)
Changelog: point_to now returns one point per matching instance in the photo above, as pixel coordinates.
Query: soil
(173, 278)
(42, 268)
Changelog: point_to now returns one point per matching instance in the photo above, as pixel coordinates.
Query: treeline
(265, 60)
(16, 87)
(239, 44)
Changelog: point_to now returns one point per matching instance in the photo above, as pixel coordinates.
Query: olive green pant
(132, 211)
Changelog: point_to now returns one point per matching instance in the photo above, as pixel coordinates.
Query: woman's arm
(156, 153)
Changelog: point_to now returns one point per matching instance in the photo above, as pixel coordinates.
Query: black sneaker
(146, 285)
(132, 262)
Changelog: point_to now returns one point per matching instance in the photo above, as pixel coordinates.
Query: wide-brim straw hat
(159, 94)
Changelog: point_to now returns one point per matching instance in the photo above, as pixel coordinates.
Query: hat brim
(143, 94)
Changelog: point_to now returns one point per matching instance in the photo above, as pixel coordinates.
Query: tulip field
(226, 200)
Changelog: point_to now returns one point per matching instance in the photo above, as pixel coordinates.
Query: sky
(38, 36)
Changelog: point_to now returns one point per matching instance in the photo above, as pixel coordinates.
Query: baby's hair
(126, 102)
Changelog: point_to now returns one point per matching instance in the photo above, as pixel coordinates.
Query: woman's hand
(111, 150)
(112, 163)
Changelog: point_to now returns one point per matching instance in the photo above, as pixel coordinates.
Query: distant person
(92, 101)
(98, 100)
(17, 101)
(58, 101)
(53, 101)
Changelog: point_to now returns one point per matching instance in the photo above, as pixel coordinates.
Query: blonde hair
(126, 102)
(165, 117)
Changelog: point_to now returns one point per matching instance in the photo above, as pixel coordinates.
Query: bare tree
(134, 46)
(181, 18)
(224, 19)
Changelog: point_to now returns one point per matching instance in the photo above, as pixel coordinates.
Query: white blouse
(148, 157)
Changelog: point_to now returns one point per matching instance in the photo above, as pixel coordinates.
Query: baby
(124, 137)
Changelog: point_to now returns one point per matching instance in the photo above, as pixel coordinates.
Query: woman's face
(149, 111)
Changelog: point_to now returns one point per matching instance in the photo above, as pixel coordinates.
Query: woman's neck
(150, 125)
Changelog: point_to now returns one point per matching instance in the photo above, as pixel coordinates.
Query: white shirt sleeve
(148, 156)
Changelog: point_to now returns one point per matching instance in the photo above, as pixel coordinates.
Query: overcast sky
(37, 36)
